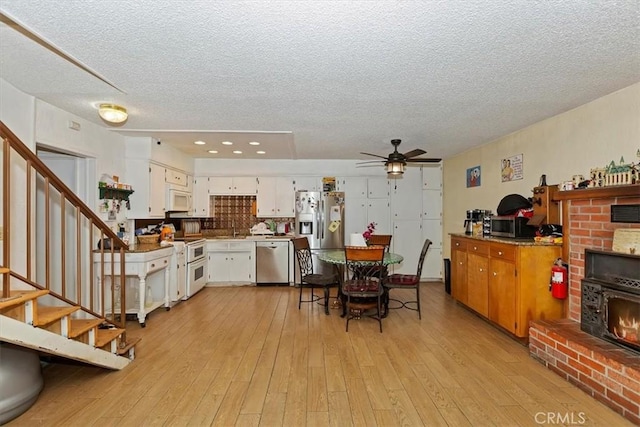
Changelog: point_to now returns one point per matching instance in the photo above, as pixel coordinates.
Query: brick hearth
(607, 372)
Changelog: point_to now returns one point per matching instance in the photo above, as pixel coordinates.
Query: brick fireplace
(607, 372)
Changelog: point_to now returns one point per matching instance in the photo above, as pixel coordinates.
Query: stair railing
(49, 239)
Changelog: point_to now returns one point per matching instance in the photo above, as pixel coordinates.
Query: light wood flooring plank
(249, 356)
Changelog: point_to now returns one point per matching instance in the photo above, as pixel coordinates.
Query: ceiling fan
(395, 162)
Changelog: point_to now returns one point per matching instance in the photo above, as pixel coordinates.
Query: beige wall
(561, 146)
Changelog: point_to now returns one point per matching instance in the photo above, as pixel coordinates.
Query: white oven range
(196, 267)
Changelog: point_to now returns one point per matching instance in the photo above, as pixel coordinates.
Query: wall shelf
(599, 192)
(114, 193)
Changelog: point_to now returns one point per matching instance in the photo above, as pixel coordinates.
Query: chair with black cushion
(309, 279)
(381, 240)
(363, 291)
(406, 281)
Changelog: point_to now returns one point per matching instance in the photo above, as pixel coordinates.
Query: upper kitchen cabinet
(307, 183)
(354, 187)
(177, 178)
(276, 197)
(243, 185)
(406, 200)
(148, 179)
(377, 188)
(432, 177)
(201, 197)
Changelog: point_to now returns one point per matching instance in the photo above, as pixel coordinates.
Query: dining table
(337, 258)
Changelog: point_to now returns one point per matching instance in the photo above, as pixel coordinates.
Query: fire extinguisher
(559, 285)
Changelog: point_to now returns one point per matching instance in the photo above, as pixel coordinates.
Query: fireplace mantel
(599, 192)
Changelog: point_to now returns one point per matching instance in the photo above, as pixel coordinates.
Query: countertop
(515, 242)
(136, 249)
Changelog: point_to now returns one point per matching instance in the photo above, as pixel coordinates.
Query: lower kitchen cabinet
(505, 281)
(231, 263)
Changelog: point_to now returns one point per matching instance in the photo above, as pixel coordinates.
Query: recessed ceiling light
(237, 152)
(199, 142)
(227, 143)
(261, 152)
(254, 143)
(213, 151)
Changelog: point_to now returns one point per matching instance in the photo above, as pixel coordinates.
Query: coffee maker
(474, 216)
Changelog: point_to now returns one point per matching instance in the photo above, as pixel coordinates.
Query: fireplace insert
(610, 306)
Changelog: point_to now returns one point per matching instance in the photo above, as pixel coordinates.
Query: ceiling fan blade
(374, 155)
(360, 165)
(427, 160)
(414, 153)
(370, 161)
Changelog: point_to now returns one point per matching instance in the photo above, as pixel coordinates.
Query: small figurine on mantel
(616, 174)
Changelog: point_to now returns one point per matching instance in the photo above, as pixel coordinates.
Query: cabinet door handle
(495, 274)
(481, 270)
(499, 252)
(475, 248)
(153, 265)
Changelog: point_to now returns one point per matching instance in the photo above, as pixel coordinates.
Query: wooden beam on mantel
(599, 192)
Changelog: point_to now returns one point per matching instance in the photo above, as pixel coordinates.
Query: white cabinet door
(433, 264)
(276, 197)
(353, 186)
(432, 230)
(355, 217)
(307, 183)
(432, 177)
(176, 177)
(220, 185)
(406, 196)
(241, 267)
(285, 197)
(407, 241)
(201, 197)
(157, 194)
(244, 185)
(431, 204)
(378, 212)
(377, 188)
(217, 267)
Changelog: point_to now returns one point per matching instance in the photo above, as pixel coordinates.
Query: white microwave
(178, 200)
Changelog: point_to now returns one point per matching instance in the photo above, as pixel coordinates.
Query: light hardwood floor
(246, 356)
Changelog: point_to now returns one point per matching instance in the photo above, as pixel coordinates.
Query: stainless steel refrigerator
(320, 218)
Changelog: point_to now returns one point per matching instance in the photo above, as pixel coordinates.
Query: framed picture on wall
(473, 176)
(511, 168)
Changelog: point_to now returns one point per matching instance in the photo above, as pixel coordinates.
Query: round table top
(336, 256)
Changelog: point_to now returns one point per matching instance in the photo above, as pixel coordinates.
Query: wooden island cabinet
(505, 281)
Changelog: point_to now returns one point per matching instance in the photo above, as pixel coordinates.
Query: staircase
(54, 297)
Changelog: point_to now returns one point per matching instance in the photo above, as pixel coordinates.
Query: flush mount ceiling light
(199, 142)
(260, 152)
(112, 113)
(213, 151)
(254, 143)
(227, 143)
(237, 152)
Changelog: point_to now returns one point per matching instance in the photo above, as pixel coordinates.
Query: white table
(140, 261)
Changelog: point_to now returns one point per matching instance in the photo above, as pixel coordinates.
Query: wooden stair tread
(105, 336)
(80, 326)
(48, 314)
(20, 297)
(130, 343)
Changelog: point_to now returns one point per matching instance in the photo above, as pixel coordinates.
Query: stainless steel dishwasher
(272, 263)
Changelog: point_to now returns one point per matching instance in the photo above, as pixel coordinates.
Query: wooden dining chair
(363, 291)
(380, 240)
(309, 279)
(406, 281)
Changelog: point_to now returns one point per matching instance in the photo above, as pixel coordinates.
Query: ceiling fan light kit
(396, 162)
(112, 113)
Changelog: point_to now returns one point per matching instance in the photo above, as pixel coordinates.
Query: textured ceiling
(324, 79)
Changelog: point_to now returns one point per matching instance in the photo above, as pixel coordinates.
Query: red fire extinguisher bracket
(559, 279)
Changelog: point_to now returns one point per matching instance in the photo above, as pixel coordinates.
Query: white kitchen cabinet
(231, 262)
(307, 183)
(406, 241)
(237, 185)
(148, 182)
(432, 230)
(355, 216)
(432, 177)
(353, 186)
(201, 197)
(276, 197)
(378, 211)
(432, 204)
(377, 188)
(406, 202)
(175, 177)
